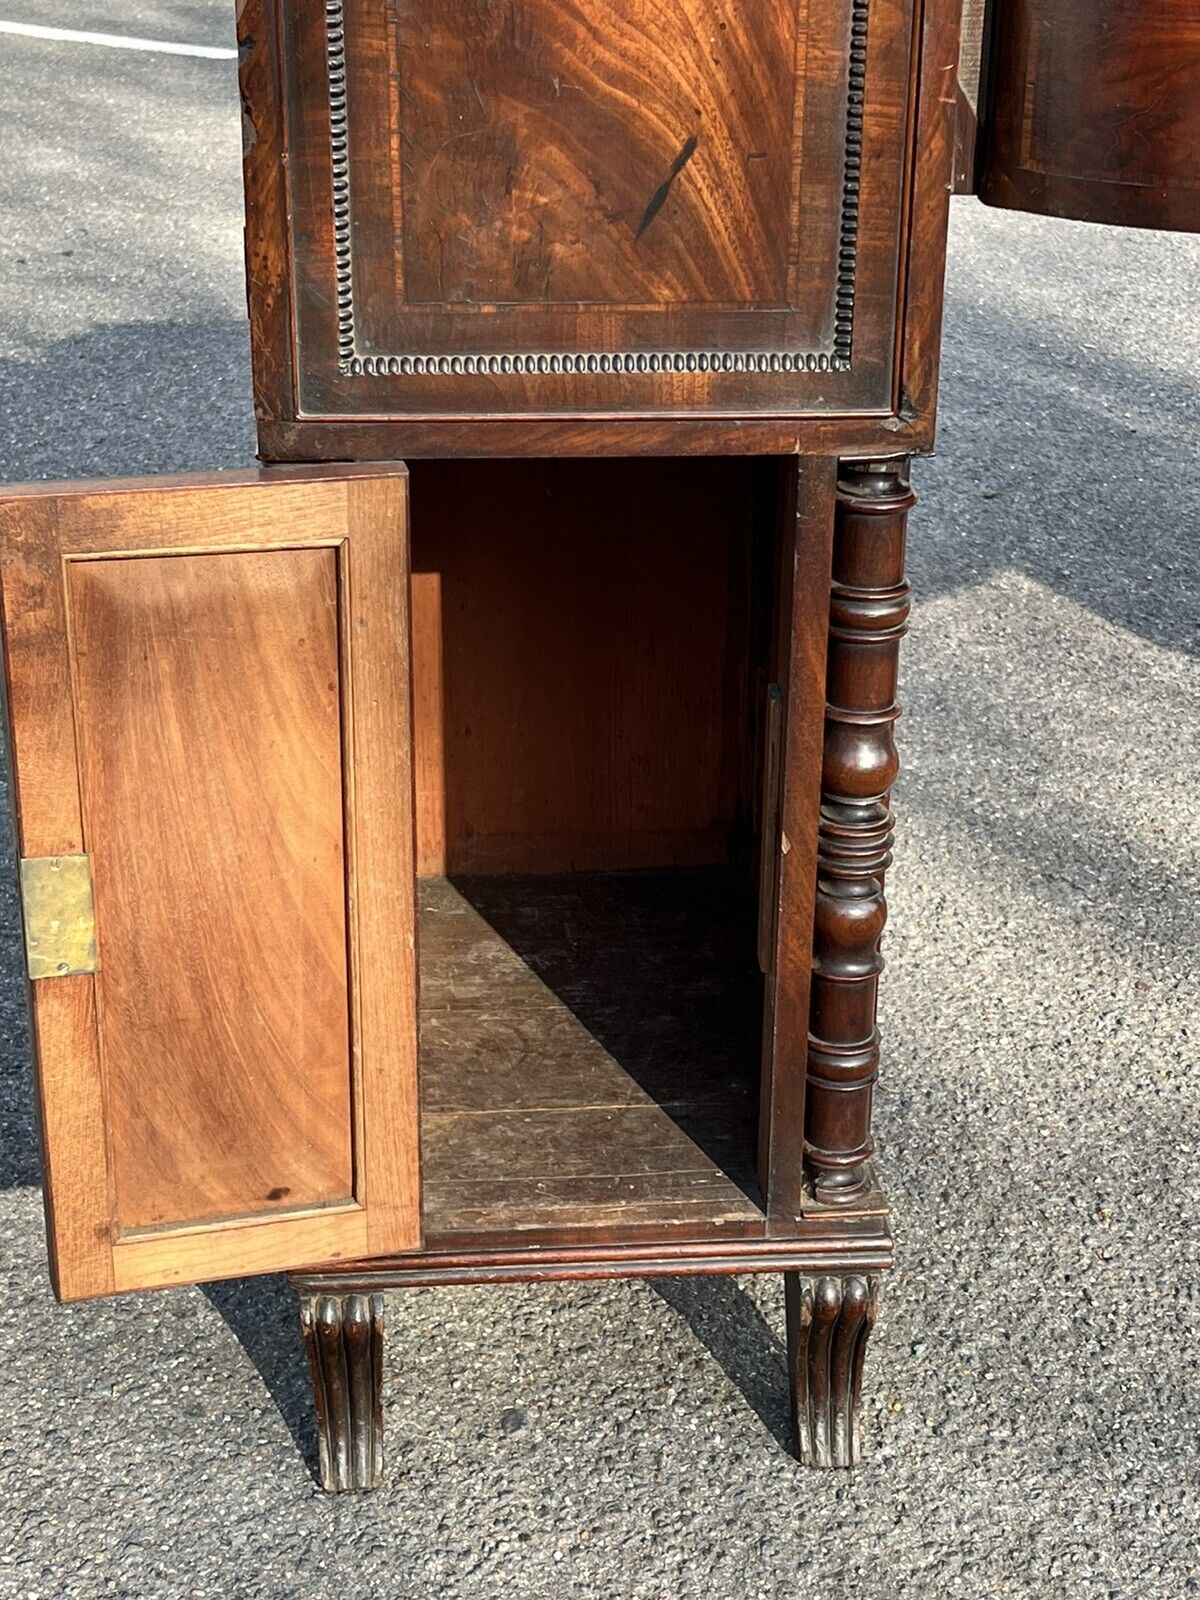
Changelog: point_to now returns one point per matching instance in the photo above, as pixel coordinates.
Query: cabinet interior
(591, 658)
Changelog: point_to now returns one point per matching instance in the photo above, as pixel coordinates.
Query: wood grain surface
(868, 617)
(1093, 110)
(580, 663)
(213, 810)
(838, 1244)
(806, 513)
(589, 1053)
(205, 697)
(534, 208)
(611, 153)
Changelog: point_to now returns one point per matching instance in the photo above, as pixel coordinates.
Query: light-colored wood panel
(215, 723)
(75, 1179)
(577, 635)
(110, 525)
(240, 1250)
(37, 681)
(207, 694)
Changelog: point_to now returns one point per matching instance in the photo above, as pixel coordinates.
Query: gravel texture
(1033, 1388)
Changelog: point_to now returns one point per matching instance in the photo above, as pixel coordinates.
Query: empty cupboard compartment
(590, 678)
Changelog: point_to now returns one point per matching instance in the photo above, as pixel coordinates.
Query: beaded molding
(353, 363)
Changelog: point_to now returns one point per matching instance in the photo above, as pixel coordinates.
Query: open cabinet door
(208, 706)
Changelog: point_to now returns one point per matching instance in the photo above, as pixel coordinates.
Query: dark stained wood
(868, 616)
(831, 1290)
(264, 146)
(768, 844)
(829, 1320)
(804, 554)
(195, 705)
(971, 104)
(536, 211)
(1093, 111)
(856, 1245)
(589, 1054)
(343, 1340)
(579, 663)
(923, 222)
(612, 435)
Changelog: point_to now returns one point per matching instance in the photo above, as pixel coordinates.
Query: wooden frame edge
(383, 886)
(937, 42)
(811, 556)
(313, 440)
(267, 236)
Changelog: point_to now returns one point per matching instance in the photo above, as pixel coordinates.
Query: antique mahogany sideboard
(455, 852)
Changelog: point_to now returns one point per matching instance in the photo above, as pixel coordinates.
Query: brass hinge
(60, 923)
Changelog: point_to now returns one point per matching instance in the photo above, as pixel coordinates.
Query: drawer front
(536, 207)
(1093, 111)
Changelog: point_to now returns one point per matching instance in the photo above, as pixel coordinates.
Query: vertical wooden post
(807, 511)
(868, 616)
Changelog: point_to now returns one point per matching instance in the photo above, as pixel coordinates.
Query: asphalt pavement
(1034, 1385)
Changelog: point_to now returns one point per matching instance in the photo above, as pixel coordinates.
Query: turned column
(868, 616)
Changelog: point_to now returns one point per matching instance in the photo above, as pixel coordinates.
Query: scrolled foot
(829, 1321)
(343, 1339)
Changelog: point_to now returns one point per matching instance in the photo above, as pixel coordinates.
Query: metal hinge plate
(60, 923)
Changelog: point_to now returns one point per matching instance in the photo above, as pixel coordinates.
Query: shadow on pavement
(736, 1334)
(262, 1315)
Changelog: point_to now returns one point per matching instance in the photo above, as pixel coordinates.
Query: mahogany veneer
(1092, 111)
(490, 222)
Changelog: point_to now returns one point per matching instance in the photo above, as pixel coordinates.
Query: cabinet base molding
(831, 1285)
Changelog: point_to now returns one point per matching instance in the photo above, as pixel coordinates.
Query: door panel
(526, 209)
(208, 700)
(221, 903)
(1090, 109)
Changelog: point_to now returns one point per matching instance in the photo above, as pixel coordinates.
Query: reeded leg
(829, 1321)
(343, 1338)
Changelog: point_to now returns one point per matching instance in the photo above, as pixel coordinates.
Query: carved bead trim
(588, 361)
(339, 150)
(843, 319)
(353, 363)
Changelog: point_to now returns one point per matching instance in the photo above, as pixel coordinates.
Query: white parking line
(117, 41)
